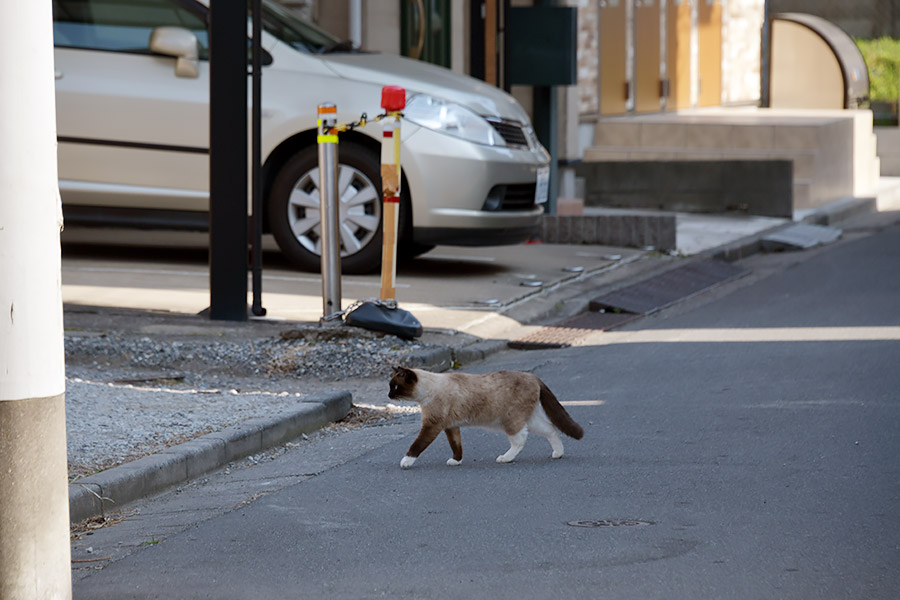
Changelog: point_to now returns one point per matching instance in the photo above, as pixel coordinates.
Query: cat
(516, 403)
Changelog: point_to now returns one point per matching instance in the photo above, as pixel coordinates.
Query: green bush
(882, 56)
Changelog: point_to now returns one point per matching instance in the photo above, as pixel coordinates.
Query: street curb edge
(113, 488)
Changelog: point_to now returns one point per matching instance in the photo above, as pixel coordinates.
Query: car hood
(424, 78)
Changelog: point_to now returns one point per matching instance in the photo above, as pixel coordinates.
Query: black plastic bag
(379, 316)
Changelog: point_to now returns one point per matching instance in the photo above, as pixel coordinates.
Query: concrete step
(833, 153)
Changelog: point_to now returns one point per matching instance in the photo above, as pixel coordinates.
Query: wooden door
(678, 53)
(613, 79)
(646, 56)
(709, 43)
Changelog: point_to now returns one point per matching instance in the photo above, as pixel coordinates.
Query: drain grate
(610, 523)
(614, 309)
(570, 331)
(665, 289)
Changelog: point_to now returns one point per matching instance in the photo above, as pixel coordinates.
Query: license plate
(542, 190)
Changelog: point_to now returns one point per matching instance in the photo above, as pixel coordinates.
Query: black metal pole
(256, 157)
(546, 126)
(228, 160)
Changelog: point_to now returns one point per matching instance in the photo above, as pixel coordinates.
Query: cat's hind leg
(540, 424)
(516, 443)
(455, 439)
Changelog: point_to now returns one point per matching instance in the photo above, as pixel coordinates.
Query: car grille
(511, 132)
(516, 196)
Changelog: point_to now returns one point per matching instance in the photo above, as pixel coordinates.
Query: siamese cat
(513, 402)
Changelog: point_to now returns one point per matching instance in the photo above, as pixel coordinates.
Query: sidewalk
(145, 373)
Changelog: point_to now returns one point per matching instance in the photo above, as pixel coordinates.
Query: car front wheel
(294, 215)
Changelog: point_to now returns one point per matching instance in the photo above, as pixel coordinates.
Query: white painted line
(135, 271)
(204, 273)
(461, 257)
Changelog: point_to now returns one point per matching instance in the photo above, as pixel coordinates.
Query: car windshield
(298, 33)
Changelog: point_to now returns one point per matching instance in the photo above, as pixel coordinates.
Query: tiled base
(636, 231)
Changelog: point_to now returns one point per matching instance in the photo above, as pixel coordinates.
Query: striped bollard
(393, 100)
(329, 216)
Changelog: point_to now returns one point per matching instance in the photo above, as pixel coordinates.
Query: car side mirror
(180, 43)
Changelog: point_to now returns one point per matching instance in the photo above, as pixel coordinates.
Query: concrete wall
(380, 20)
(759, 187)
(889, 150)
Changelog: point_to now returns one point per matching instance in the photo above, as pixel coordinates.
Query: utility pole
(228, 161)
(34, 500)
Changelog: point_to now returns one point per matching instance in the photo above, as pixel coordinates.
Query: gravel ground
(127, 396)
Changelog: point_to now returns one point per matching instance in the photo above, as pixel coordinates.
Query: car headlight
(452, 119)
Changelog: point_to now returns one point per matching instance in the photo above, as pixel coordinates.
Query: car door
(132, 133)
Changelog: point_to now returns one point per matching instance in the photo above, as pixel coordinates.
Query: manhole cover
(609, 523)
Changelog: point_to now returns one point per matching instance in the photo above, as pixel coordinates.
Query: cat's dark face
(403, 383)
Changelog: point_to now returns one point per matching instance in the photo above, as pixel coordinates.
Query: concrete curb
(830, 215)
(842, 210)
(113, 488)
(744, 247)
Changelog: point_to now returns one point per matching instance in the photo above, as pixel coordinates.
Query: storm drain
(610, 523)
(665, 289)
(628, 303)
(568, 332)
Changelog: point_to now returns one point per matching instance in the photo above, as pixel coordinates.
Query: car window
(121, 25)
(296, 32)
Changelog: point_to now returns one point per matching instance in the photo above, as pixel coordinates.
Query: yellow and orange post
(393, 100)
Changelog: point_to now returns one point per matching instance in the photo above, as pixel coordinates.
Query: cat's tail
(558, 415)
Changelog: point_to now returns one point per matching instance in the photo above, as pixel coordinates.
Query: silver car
(132, 96)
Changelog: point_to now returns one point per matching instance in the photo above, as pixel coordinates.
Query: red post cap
(393, 97)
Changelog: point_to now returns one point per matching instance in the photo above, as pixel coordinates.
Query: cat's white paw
(557, 454)
(407, 461)
(504, 459)
(452, 462)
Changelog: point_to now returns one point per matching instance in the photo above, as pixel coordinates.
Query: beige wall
(805, 72)
(588, 57)
(381, 26)
(742, 22)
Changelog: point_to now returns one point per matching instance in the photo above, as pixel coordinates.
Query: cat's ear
(408, 375)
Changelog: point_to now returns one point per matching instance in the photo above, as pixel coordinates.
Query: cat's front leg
(423, 440)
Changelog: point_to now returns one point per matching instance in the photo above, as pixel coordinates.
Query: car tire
(410, 250)
(293, 209)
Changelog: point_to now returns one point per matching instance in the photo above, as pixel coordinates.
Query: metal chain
(363, 121)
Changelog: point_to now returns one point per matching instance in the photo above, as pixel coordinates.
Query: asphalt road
(744, 448)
